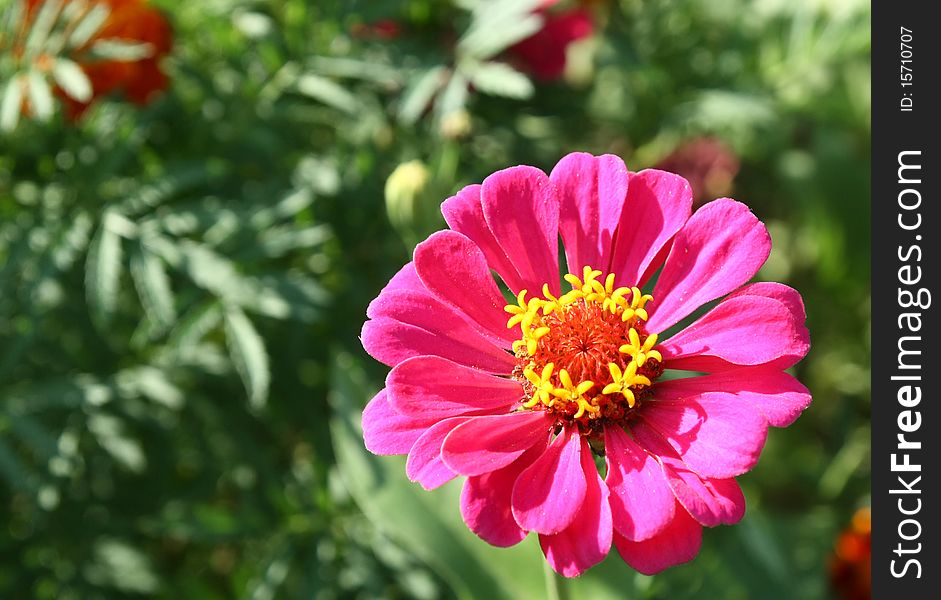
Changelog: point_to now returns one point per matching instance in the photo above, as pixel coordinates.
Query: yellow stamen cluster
(589, 300)
(622, 382)
(641, 352)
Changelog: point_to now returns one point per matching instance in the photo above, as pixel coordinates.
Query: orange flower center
(585, 356)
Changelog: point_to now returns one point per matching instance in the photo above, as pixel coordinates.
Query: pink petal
(485, 502)
(587, 541)
(405, 279)
(424, 464)
(406, 320)
(721, 247)
(591, 193)
(791, 298)
(390, 341)
(485, 444)
(778, 396)
(741, 330)
(715, 437)
(676, 544)
(431, 387)
(386, 431)
(641, 500)
(778, 291)
(464, 213)
(658, 204)
(522, 211)
(710, 501)
(455, 271)
(547, 495)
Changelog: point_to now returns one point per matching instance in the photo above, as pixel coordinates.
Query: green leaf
(103, 272)
(278, 241)
(12, 16)
(110, 433)
(214, 273)
(248, 353)
(90, 24)
(454, 96)
(118, 564)
(42, 25)
(115, 49)
(764, 547)
(288, 296)
(498, 25)
(12, 104)
(40, 96)
(419, 93)
(195, 325)
(72, 79)
(500, 79)
(355, 69)
(153, 287)
(292, 204)
(178, 179)
(151, 383)
(328, 92)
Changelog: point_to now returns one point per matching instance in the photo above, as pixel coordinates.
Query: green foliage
(182, 284)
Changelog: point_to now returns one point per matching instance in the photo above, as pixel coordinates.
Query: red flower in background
(383, 29)
(138, 80)
(707, 163)
(850, 565)
(543, 53)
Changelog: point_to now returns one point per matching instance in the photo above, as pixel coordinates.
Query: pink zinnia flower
(523, 407)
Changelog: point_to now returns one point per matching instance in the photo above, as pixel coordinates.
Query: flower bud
(403, 191)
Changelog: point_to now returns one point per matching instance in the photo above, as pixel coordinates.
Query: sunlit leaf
(120, 565)
(12, 104)
(40, 95)
(327, 91)
(112, 435)
(72, 79)
(153, 286)
(195, 325)
(419, 93)
(103, 271)
(42, 25)
(498, 25)
(500, 79)
(115, 49)
(248, 353)
(281, 240)
(356, 69)
(454, 97)
(89, 25)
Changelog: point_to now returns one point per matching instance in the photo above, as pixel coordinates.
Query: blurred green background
(182, 286)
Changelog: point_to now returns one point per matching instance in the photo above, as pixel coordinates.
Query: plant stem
(555, 587)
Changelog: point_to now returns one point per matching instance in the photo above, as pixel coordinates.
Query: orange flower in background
(850, 565)
(129, 21)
